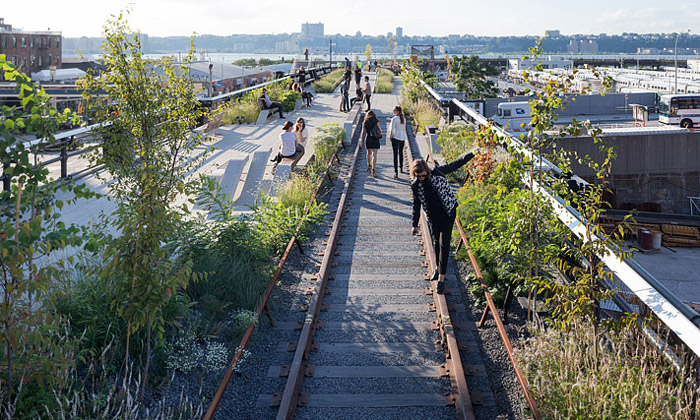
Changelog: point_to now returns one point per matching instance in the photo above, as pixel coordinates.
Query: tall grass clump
(385, 81)
(424, 113)
(327, 83)
(248, 111)
(576, 376)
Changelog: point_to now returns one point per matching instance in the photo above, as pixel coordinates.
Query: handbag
(375, 131)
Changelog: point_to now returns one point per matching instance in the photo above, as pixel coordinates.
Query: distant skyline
(75, 18)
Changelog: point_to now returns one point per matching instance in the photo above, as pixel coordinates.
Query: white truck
(511, 115)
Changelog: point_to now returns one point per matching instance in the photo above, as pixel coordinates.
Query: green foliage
(32, 348)
(424, 113)
(150, 156)
(233, 110)
(385, 81)
(577, 375)
(245, 62)
(368, 53)
(288, 98)
(329, 82)
(453, 140)
(325, 141)
(471, 77)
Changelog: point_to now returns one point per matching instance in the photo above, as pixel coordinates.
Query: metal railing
(669, 309)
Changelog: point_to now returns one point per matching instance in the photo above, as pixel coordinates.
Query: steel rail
(462, 398)
(290, 395)
(491, 307)
(214, 405)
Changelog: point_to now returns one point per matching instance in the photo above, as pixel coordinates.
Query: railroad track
(374, 340)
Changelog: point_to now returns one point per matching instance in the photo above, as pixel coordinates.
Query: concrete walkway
(240, 162)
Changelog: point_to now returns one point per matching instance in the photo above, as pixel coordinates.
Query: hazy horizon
(162, 18)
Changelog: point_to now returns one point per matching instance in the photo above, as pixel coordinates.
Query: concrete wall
(611, 103)
(661, 169)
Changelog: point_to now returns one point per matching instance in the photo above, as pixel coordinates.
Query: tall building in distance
(312, 30)
(31, 51)
(399, 32)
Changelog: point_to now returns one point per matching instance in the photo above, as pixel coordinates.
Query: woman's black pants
(397, 146)
(442, 236)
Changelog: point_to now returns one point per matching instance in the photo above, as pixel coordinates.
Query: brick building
(31, 51)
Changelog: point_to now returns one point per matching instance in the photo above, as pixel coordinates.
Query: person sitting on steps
(267, 103)
(289, 148)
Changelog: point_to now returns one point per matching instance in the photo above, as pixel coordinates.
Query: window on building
(50, 60)
(14, 41)
(41, 62)
(31, 42)
(3, 41)
(24, 41)
(33, 60)
(57, 41)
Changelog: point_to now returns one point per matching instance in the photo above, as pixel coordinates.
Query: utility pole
(209, 86)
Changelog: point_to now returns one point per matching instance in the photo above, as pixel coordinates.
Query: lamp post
(675, 63)
(209, 90)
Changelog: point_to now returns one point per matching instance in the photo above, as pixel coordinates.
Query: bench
(264, 113)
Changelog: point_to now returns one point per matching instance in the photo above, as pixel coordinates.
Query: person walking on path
(397, 133)
(288, 145)
(433, 193)
(345, 95)
(367, 90)
(370, 135)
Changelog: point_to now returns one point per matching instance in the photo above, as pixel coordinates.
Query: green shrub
(385, 81)
(233, 110)
(327, 83)
(326, 140)
(578, 375)
(424, 113)
(454, 140)
(288, 98)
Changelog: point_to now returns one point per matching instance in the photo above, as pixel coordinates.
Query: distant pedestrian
(397, 133)
(267, 103)
(306, 96)
(433, 193)
(376, 65)
(367, 91)
(358, 97)
(345, 95)
(301, 76)
(358, 75)
(370, 135)
(348, 65)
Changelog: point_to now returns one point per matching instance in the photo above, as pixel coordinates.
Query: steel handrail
(214, 405)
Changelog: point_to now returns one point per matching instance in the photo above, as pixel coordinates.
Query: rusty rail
(214, 405)
(290, 395)
(491, 307)
(462, 398)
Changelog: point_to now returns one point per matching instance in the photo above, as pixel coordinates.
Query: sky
(75, 18)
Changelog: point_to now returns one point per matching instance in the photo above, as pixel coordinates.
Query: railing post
(64, 158)
(6, 178)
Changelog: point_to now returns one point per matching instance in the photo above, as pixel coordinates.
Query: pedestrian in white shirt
(397, 133)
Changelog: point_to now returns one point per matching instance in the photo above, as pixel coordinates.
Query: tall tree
(471, 77)
(149, 150)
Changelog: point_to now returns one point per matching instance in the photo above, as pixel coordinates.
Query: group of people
(293, 139)
(430, 189)
(363, 93)
(372, 133)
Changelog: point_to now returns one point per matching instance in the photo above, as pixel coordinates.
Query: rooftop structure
(33, 51)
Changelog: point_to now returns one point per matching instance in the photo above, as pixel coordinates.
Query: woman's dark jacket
(439, 187)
